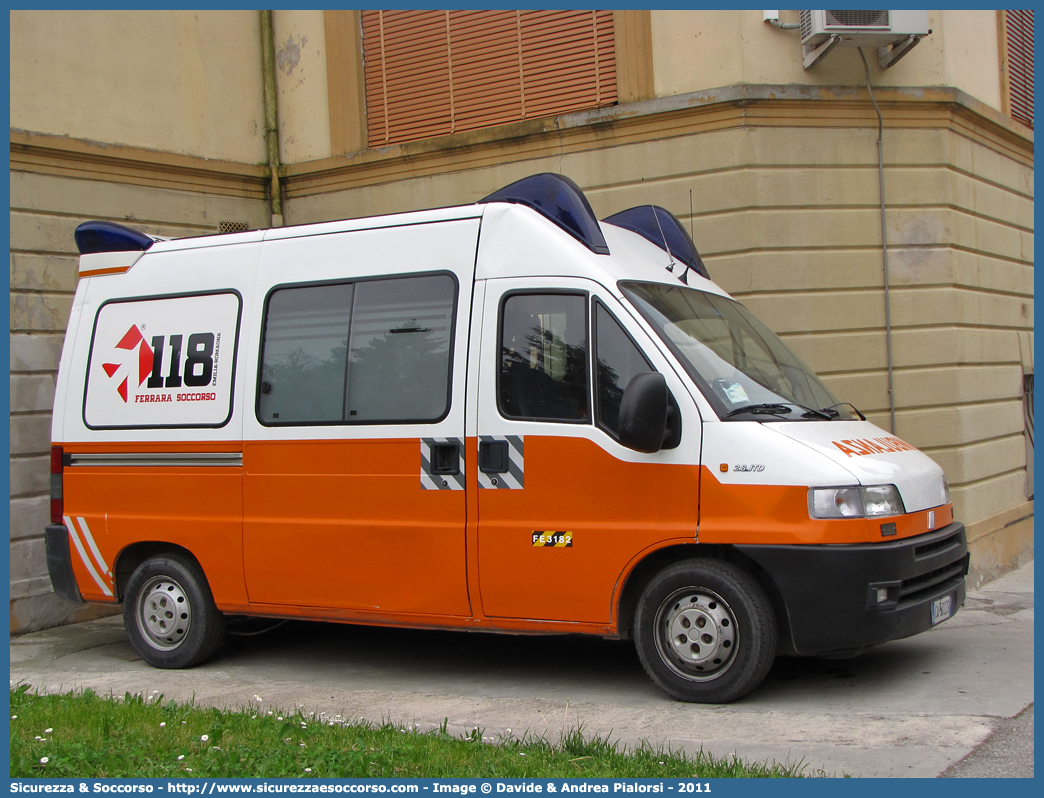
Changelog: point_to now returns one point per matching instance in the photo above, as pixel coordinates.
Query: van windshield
(741, 366)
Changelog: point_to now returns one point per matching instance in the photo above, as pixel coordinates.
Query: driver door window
(543, 373)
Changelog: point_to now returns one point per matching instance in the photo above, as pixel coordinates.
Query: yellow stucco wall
(699, 50)
(304, 112)
(177, 81)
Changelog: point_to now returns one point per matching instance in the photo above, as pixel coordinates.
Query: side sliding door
(354, 486)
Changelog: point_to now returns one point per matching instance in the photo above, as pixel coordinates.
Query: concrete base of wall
(42, 612)
(1000, 544)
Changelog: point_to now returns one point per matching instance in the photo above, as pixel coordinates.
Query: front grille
(911, 589)
(806, 24)
(937, 545)
(856, 19)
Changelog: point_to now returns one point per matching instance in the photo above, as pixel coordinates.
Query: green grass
(88, 736)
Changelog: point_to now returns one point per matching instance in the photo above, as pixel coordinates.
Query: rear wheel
(170, 613)
(705, 631)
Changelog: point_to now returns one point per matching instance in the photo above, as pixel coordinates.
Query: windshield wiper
(766, 408)
(774, 409)
(842, 404)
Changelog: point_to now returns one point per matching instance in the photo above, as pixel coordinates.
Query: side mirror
(643, 413)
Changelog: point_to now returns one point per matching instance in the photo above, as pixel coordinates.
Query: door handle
(445, 458)
(493, 457)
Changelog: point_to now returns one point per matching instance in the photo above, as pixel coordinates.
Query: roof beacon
(663, 229)
(92, 237)
(560, 200)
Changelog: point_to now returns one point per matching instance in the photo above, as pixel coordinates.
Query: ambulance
(507, 416)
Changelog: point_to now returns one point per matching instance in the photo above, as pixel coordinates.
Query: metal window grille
(1018, 33)
(232, 227)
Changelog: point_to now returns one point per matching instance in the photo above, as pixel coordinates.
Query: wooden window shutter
(1018, 34)
(429, 73)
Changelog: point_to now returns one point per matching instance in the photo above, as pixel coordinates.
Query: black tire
(705, 631)
(170, 614)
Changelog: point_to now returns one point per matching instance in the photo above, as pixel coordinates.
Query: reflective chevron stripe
(515, 476)
(433, 481)
(102, 579)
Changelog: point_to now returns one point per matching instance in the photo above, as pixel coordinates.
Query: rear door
(354, 485)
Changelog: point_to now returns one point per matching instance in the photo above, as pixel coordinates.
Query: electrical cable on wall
(884, 241)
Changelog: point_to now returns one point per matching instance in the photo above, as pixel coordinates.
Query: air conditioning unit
(894, 33)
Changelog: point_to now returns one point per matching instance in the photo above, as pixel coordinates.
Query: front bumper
(830, 593)
(59, 563)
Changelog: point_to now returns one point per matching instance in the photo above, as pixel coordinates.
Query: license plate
(942, 609)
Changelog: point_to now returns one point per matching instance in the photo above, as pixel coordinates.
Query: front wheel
(170, 613)
(705, 631)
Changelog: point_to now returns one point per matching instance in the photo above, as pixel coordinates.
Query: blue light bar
(94, 237)
(662, 228)
(560, 200)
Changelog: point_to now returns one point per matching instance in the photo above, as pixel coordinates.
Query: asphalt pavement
(954, 701)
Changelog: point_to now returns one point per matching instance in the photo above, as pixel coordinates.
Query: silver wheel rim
(697, 636)
(164, 613)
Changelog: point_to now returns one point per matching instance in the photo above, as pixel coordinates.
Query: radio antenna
(692, 235)
(670, 255)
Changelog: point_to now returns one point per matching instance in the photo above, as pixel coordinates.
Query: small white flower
(308, 770)
(188, 770)
(48, 731)
(257, 698)
(521, 753)
(44, 760)
(205, 737)
(180, 757)
(303, 745)
(162, 724)
(14, 717)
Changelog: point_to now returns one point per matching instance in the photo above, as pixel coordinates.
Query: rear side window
(372, 351)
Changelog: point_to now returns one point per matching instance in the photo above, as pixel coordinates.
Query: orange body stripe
(100, 272)
(778, 515)
(341, 530)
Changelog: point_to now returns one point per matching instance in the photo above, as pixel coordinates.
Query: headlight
(855, 502)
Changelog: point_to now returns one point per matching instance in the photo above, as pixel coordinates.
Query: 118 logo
(191, 365)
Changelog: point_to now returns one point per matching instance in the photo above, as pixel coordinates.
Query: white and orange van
(506, 416)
